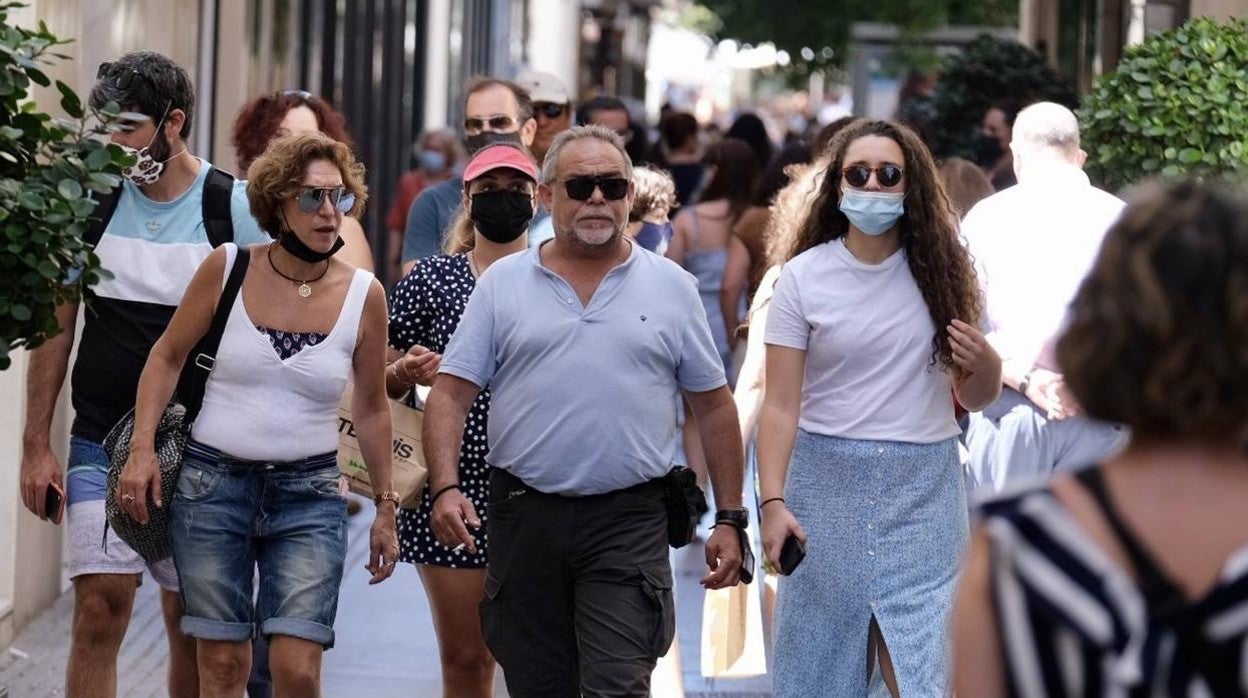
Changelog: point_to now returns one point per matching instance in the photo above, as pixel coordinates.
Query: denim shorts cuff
(300, 628)
(220, 630)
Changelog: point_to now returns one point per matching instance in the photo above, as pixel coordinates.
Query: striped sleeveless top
(1072, 622)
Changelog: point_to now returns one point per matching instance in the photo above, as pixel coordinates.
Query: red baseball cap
(500, 155)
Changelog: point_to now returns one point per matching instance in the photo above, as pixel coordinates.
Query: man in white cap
(552, 107)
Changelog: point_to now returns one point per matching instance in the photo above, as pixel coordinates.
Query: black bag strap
(1161, 594)
(103, 213)
(218, 219)
(204, 356)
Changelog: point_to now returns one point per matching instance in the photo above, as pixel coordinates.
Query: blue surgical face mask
(872, 212)
(432, 160)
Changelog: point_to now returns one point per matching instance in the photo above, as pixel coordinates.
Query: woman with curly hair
(265, 118)
(1148, 551)
(873, 322)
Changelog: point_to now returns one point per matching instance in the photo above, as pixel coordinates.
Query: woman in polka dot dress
(425, 307)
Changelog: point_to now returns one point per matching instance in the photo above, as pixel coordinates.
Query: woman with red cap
(500, 183)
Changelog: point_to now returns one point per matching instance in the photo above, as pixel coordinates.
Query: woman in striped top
(1131, 578)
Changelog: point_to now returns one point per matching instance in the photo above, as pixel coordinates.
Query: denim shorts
(288, 519)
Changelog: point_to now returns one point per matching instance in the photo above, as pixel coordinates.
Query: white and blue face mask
(872, 212)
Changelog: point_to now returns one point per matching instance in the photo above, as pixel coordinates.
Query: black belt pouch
(685, 505)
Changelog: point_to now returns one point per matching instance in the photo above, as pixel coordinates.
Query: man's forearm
(725, 456)
(44, 377)
(442, 436)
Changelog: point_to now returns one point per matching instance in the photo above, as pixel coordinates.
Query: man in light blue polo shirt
(585, 343)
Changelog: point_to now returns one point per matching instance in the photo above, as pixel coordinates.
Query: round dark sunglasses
(887, 175)
(581, 188)
(311, 199)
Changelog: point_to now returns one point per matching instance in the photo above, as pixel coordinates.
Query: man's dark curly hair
(148, 83)
(940, 264)
(257, 123)
(1157, 337)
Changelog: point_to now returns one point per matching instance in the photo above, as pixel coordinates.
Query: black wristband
(769, 501)
(443, 491)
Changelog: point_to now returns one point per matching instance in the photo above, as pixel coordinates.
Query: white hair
(550, 165)
(1045, 126)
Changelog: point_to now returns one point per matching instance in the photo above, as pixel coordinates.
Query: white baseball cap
(543, 87)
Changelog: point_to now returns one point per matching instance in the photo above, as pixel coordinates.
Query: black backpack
(218, 220)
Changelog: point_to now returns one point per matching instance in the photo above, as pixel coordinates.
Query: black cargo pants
(578, 593)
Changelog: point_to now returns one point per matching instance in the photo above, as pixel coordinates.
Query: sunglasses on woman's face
(887, 175)
(497, 124)
(550, 110)
(311, 199)
(581, 188)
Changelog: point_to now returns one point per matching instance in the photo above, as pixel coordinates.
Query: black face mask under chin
(501, 216)
(292, 244)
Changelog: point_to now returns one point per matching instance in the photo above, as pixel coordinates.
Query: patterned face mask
(147, 169)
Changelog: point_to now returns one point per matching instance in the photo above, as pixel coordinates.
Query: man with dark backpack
(151, 234)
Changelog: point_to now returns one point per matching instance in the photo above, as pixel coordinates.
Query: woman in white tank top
(258, 487)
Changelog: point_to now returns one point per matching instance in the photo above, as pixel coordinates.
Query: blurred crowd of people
(863, 343)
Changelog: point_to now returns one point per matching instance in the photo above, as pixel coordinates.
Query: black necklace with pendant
(305, 289)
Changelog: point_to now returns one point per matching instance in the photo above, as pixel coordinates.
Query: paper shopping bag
(409, 472)
(732, 633)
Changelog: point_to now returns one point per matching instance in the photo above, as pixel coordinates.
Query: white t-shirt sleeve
(787, 325)
(471, 352)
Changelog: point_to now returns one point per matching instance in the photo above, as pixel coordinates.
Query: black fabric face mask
(292, 244)
(501, 216)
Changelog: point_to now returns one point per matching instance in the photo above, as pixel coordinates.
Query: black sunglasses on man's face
(550, 110)
(581, 188)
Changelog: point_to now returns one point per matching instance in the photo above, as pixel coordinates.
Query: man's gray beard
(615, 234)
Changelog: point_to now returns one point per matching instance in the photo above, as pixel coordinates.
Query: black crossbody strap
(204, 356)
(218, 219)
(1161, 594)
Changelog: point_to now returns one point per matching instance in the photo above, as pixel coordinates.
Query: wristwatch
(390, 496)
(1026, 381)
(738, 517)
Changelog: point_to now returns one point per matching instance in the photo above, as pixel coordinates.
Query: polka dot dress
(425, 308)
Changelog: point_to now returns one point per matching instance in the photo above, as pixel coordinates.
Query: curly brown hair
(1157, 336)
(278, 175)
(257, 123)
(939, 262)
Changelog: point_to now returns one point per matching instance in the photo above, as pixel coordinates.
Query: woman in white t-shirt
(872, 325)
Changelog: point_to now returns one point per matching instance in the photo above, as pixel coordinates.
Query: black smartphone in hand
(54, 503)
(791, 555)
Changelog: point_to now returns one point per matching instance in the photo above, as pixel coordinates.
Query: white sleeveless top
(258, 406)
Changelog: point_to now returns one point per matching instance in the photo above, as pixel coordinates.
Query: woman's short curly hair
(258, 120)
(1157, 337)
(278, 175)
(656, 192)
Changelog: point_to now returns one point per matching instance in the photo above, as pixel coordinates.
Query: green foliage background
(794, 24)
(988, 70)
(48, 169)
(1178, 103)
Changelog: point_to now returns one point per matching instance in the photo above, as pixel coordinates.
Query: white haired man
(1033, 244)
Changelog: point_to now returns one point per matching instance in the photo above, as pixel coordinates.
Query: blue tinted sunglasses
(311, 199)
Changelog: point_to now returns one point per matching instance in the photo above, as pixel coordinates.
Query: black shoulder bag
(152, 541)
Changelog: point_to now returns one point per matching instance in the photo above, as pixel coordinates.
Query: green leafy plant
(1178, 103)
(49, 168)
(988, 70)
